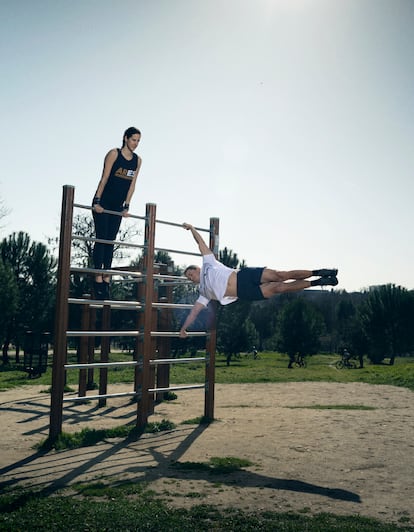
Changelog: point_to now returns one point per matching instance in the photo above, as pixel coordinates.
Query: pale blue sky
(290, 120)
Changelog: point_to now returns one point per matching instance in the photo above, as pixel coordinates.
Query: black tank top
(119, 181)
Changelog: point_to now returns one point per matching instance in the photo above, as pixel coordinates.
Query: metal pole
(61, 314)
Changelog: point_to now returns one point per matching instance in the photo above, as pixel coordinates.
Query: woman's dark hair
(128, 134)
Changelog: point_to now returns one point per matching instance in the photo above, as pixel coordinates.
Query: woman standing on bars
(114, 193)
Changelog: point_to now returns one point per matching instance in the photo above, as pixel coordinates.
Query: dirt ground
(314, 460)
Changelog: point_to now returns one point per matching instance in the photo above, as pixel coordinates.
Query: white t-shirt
(213, 281)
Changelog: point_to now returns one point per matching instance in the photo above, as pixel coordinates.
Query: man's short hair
(191, 267)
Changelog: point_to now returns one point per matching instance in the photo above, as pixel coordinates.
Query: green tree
(34, 272)
(263, 315)
(345, 316)
(82, 250)
(8, 298)
(299, 328)
(230, 259)
(4, 211)
(234, 334)
(387, 318)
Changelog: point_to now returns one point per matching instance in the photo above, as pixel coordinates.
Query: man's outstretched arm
(204, 249)
(195, 311)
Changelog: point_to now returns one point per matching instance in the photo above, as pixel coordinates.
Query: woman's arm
(131, 189)
(110, 158)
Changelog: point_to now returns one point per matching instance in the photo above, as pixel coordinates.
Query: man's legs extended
(274, 282)
(269, 276)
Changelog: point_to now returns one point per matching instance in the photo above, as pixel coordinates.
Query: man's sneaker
(328, 281)
(325, 272)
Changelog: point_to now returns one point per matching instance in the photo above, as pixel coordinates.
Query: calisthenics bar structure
(146, 335)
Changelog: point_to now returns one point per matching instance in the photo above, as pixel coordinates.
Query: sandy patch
(339, 461)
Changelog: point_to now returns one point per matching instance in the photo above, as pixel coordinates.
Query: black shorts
(248, 284)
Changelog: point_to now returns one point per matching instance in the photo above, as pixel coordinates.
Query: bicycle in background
(297, 361)
(346, 361)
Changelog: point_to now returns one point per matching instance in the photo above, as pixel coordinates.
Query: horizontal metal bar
(128, 273)
(107, 395)
(168, 284)
(101, 365)
(103, 241)
(157, 361)
(172, 305)
(105, 302)
(170, 277)
(115, 306)
(116, 213)
(176, 388)
(178, 251)
(174, 224)
(123, 273)
(154, 362)
(176, 334)
(102, 333)
(131, 333)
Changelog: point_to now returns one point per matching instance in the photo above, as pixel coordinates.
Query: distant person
(292, 360)
(114, 193)
(226, 285)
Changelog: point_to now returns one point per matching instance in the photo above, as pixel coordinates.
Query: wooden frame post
(212, 338)
(83, 346)
(61, 314)
(143, 404)
(105, 348)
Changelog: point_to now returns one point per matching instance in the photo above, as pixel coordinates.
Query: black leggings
(106, 227)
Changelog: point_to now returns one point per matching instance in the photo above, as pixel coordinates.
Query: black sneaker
(328, 281)
(324, 272)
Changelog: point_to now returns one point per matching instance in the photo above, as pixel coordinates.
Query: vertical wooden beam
(164, 349)
(164, 343)
(61, 314)
(139, 343)
(83, 348)
(153, 348)
(149, 242)
(212, 338)
(105, 346)
(90, 385)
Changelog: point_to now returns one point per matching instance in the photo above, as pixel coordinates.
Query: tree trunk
(6, 359)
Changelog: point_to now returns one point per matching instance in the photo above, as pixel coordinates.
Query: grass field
(133, 506)
(270, 367)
